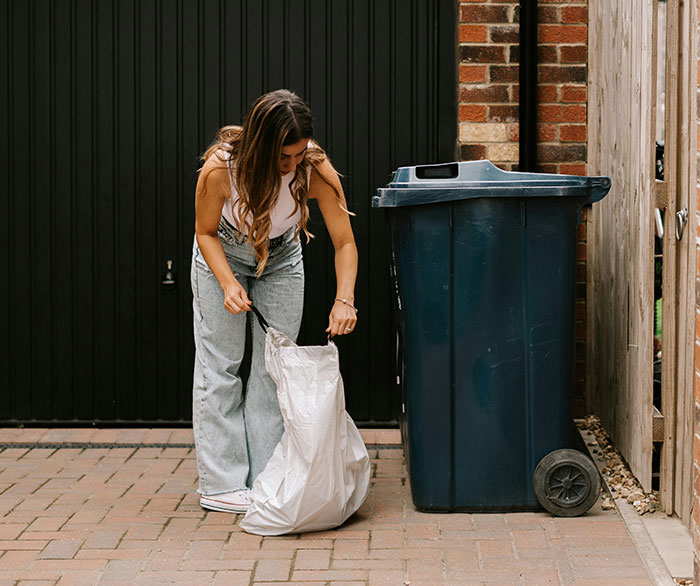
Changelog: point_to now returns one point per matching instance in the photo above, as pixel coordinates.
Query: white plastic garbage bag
(319, 473)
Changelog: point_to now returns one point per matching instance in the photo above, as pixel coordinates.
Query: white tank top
(282, 216)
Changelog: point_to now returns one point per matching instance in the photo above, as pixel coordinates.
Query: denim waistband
(272, 243)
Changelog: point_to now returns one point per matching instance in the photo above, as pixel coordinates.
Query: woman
(250, 210)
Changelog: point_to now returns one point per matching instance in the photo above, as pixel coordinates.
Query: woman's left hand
(342, 319)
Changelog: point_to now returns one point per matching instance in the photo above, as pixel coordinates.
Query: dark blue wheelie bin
(483, 269)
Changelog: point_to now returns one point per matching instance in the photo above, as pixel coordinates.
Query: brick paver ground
(74, 515)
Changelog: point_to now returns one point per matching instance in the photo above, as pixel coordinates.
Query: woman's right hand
(236, 299)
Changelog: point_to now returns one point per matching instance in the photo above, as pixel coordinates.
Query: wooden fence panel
(620, 295)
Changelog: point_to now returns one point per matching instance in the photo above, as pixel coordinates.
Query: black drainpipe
(528, 86)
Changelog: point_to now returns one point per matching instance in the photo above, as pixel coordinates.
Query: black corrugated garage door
(104, 109)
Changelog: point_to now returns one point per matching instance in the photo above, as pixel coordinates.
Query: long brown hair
(275, 119)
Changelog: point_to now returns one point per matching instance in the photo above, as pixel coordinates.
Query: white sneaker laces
(245, 494)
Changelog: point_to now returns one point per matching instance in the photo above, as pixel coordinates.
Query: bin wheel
(566, 483)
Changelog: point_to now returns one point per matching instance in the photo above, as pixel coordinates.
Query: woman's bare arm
(212, 189)
(343, 316)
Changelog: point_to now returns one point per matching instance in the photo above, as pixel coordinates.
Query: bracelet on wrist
(346, 302)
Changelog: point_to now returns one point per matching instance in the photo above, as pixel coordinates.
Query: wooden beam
(657, 426)
(660, 194)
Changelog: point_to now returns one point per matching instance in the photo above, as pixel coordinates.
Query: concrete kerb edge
(654, 565)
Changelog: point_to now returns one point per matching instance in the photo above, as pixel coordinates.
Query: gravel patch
(616, 472)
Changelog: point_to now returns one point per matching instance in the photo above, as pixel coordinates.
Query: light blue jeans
(235, 432)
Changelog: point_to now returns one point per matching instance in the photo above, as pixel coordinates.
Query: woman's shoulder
(217, 163)
(323, 177)
(317, 157)
(321, 167)
(219, 158)
(214, 174)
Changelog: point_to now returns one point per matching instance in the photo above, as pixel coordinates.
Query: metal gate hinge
(681, 221)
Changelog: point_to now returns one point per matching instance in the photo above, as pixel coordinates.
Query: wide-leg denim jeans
(235, 432)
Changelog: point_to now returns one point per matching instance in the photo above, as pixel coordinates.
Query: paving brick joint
(129, 514)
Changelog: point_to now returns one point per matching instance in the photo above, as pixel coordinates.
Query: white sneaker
(237, 501)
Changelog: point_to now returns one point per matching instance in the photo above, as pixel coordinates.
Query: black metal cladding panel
(104, 109)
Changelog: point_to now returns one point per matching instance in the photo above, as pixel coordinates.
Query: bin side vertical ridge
(453, 416)
(527, 351)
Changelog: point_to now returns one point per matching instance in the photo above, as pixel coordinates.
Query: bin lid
(471, 179)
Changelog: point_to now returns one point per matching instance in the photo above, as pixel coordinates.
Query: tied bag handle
(261, 320)
(265, 326)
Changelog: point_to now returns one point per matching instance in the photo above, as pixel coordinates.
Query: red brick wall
(488, 81)
(488, 106)
(562, 91)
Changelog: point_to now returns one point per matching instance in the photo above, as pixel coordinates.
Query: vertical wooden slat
(669, 357)
(686, 250)
(594, 158)
(639, 394)
(656, 117)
